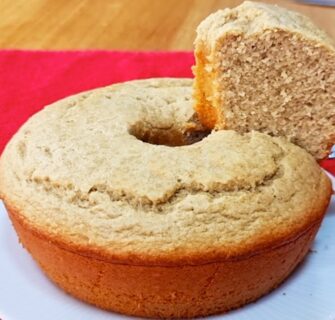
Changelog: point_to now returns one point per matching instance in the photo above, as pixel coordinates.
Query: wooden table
(118, 24)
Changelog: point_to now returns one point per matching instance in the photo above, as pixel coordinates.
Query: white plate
(26, 294)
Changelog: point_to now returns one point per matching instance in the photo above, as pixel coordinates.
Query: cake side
(165, 292)
(272, 71)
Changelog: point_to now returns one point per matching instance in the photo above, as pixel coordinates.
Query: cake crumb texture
(262, 67)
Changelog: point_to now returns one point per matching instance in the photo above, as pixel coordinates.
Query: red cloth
(30, 80)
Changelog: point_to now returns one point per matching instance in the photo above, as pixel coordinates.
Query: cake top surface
(255, 17)
(77, 173)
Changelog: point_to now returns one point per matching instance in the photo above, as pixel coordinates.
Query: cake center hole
(171, 137)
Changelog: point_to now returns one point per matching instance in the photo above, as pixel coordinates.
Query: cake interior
(273, 82)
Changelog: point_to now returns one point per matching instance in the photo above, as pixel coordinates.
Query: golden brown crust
(206, 111)
(165, 292)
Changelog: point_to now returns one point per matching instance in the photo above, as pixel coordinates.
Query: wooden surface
(118, 24)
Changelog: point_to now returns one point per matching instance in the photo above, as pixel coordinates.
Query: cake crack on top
(73, 195)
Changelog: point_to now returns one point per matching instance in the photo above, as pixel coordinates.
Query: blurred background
(121, 24)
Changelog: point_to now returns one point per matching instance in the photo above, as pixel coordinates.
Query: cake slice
(261, 67)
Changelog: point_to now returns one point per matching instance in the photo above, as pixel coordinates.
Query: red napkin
(30, 80)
